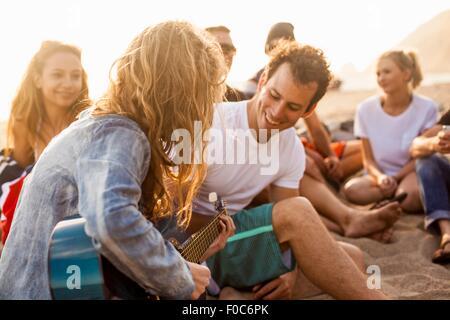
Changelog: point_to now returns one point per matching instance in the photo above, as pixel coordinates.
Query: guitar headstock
(219, 204)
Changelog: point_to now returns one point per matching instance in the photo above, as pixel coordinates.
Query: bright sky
(355, 31)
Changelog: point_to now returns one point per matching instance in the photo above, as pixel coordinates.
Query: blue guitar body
(78, 271)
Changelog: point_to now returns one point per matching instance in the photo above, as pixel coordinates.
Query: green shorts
(252, 255)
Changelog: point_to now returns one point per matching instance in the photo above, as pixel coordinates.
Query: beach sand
(405, 264)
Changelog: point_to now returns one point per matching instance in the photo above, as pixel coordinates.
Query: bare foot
(382, 236)
(364, 223)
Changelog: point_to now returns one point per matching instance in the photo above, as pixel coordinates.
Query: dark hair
(280, 30)
(306, 63)
(226, 47)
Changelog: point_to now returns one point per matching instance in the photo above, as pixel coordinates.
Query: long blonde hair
(28, 104)
(170, 76)
(406, 60)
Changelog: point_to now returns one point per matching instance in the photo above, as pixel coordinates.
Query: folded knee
(293, 209)
(353, 192)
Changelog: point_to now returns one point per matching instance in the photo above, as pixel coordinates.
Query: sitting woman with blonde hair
(52, 93)
(387, 125)
(111, 166)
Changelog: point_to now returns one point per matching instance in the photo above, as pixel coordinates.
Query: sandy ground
(405, 264)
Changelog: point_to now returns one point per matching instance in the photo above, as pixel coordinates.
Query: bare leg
(362, 190)
(355, 253)
(352, 147)
(303, 287)
(298, 226)
(351, 161)
(353, 222)
(331, 226)
(409, 184)
(350, 165)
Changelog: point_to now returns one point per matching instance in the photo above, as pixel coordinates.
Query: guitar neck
(194, 248)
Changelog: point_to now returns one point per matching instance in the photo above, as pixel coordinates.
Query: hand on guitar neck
(227, 230)
(212, 231)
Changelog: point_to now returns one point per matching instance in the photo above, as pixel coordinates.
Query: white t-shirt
(391, 136)
(240, 171)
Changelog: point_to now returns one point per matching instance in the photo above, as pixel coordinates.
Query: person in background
(222, 36)
(387, 125)
(279, 31)
(52, 93)
(432, 150)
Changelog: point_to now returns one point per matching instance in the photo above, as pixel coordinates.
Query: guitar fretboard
(194, 248)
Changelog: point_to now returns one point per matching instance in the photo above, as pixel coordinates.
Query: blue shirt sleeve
(109, 175)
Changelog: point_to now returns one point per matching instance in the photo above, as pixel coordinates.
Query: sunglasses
(228, 48)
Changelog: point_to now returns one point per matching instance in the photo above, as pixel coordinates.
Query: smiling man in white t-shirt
(294, 81)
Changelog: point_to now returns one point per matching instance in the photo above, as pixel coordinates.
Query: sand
(405, 264)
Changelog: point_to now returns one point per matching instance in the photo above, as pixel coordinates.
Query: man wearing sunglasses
(222, 36)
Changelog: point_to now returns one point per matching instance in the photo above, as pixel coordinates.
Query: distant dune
(430, 40)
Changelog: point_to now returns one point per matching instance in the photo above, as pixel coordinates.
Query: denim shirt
(94, 168)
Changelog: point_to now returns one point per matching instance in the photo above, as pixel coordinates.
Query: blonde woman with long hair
(387, 125)
(52, 93)
(113, 166)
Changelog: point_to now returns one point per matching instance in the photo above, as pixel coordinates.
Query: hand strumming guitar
(201, 276)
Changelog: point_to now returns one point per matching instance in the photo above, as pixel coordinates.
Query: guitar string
(192, 250)
(190, 245)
